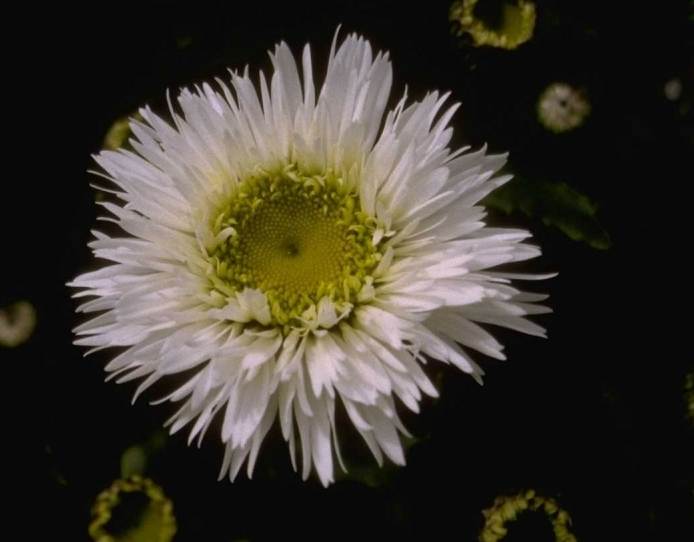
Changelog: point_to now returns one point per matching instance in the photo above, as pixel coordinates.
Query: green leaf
(556, 204)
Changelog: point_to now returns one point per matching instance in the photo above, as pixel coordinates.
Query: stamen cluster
(297, 238)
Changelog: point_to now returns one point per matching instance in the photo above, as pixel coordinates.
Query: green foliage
(556, 204)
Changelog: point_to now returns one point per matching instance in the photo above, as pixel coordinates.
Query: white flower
(300, 251)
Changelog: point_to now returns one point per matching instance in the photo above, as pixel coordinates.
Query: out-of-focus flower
(673, 89)
(135, 458)
(507, 509)
(505, 24)
(17, 323)
(133, 461)
(133, 509)
(561, 107)
(119, 132)
(299, 251)
(689, 395)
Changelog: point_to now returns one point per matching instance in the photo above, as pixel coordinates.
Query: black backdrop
(594, 415)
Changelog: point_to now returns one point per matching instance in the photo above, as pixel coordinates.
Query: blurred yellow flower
(133, 509)
(17, 323)
(689, 395)
(507, 508)
(503, 24)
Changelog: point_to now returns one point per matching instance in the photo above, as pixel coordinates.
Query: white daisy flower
(303, 250)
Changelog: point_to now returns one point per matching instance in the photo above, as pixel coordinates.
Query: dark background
(594, 416)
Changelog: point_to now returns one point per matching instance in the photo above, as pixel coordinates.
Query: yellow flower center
(297, 238)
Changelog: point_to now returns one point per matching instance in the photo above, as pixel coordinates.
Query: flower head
(301, 249)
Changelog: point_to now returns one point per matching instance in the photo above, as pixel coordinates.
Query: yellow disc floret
(297, 238)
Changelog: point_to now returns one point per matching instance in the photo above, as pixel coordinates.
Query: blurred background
(594, 105)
